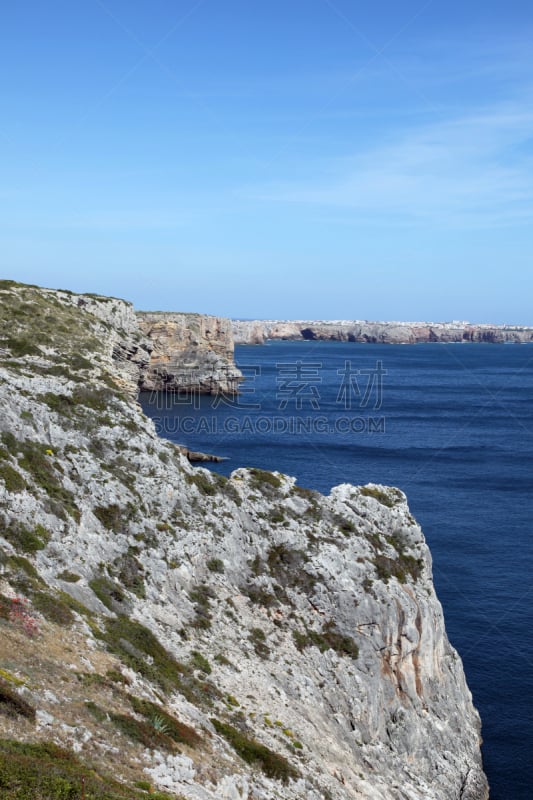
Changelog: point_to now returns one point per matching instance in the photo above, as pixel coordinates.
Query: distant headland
(258, 331)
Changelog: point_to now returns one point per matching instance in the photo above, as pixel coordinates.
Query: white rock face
(311, 622)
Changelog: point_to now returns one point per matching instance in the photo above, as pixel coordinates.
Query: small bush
(258, 639)
(130, 574)
(36, 461)
(108, 592)
(22, 346)
(29, 541)
(201, 596)
(327, 639)
(272, 764)
(203, 483)
(53, 608)
(10, 442)
(200, 662)
(109, 516)
(22, 564)
(69, 577)
(142, 651)
(400, 568)
(173, 728)
(13, 480)
(261, 479)
(382, 497)
(215, 565)
(13, 705)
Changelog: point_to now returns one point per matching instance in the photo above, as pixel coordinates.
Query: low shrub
(53, 608)
(13, 705)
(272, 764)
(110, 516)
(141, 650)
(45, 771)
(29, 541)
(203, 483)
(12, 478)
(215, 565)
(389, 499)
(258, 639)
(173, 728)
(327, 639)
(261, 479)
(198, 661)
(109, 592)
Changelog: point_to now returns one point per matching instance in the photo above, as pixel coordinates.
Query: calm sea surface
(452, 426)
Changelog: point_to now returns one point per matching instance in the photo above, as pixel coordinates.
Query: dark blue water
(452, 426)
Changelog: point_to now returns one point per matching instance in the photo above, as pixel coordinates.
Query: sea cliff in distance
(258, 331)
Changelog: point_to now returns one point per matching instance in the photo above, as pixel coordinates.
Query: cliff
(256, 332)
(191, 353)
(218, 639)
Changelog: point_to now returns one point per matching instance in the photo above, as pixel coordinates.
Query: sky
(311, 159)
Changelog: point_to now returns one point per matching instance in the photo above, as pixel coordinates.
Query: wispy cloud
(475, 169)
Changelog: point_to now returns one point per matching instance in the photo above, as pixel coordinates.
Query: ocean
(450, 425)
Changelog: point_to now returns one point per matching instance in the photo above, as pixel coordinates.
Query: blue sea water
(452, 426)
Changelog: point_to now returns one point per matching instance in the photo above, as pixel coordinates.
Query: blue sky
(304, 159)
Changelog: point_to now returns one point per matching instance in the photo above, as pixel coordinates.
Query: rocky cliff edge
(168, 632)
(191, 353)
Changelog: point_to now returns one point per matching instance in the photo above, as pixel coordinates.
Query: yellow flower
(49, 452)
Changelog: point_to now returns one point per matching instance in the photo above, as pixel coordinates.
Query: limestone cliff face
(238, 639)
(256, 332)
(191, 353)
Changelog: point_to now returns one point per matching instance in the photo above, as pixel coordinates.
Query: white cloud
(476, 169)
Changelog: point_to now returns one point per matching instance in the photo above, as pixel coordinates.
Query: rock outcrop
(191, 353)
(257, 332)
(220, 639)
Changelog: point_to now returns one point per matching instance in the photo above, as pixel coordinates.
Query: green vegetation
(172, 728)
(258, 639)
(109, 592)
(146, 733)
(45, 771)
(20, 563)
(400, 568)
(69, 577)
(37, 461)
(261, 479)
(13, 705)
(345, 526)
(389, 498)
(215, 565)
(288, 567)
(203, 483)
(109, 516)
(272, 764)
(327, 639)
(201, 596)
(12, 478)
(230, 490)
(52, 607)
(21, 346)
(29, 541)
(130, 574)
(200, 662)
(141, 650)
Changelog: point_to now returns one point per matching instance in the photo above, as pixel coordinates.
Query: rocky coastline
(259, 331)
(170, 631)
